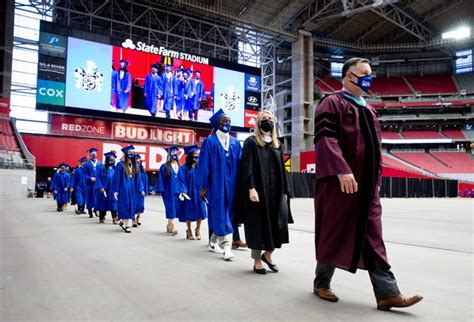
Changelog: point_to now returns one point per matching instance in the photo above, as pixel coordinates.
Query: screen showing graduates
(136, 78)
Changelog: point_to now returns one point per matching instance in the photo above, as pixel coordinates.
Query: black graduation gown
(266, 222)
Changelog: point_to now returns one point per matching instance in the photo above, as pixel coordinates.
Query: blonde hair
(258, 133)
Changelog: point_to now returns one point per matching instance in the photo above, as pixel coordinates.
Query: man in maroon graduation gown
(347, 202)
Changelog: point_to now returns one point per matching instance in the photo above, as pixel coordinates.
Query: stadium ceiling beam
(223, 15)
(287, 13)
(430, 14)
(379, 23)
(403, 20)
(322, 10)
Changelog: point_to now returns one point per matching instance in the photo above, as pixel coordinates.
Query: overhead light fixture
(460, 33)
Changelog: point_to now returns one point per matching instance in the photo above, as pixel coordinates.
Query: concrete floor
(66, 267)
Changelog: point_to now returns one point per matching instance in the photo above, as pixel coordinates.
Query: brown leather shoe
(398, 301)
(326, 294)
(239, 244)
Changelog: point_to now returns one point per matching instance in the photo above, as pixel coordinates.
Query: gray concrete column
(302, 90)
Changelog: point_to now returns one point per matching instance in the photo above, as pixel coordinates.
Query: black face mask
(266, 125)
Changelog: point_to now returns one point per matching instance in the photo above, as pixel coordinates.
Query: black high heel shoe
(273, 267)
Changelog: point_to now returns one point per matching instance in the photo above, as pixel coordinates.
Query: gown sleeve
(117, 177)
(204, 165)
(182, 186)
(159, 186)
(330, 160)
(247, 165)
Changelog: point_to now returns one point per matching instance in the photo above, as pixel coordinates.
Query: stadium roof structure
(371, 26)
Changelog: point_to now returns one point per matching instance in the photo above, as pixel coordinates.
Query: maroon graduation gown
(348, 227)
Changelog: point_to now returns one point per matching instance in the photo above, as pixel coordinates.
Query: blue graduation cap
(83, 159)
(191, 149)
(155, 66)
(92, 150)
(172, 149)
(128, 148)
(110, 154)
(62, 164)
(124, 61)
(188, 71)
(138, 156)
(215, 118)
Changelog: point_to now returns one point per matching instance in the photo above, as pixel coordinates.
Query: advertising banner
(49, 92)
(52, 45)
(78, 126)
(152, 134)
(51, 68)
(4, 106)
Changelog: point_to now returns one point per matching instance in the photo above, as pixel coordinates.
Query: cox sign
(49, 92)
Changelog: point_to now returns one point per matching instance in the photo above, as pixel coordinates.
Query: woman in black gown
(261, 201)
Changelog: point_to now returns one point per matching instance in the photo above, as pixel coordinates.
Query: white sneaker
(228, 253)
(214, 247)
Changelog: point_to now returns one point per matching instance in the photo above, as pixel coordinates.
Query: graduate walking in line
(188, 95)
(261, 200)
(193, 208)
(199, 95)
(107, 201)
(216, 177)
(167, 184)
(123, 86)
(168, 85)
(60, 187)
(127, 186)
(152, 90)
(92, 181)
(69, 185)
(78, 186)
(141, 198)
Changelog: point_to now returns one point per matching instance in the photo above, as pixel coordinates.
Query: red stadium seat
(390, 86)
(433, 84)
(422, 134)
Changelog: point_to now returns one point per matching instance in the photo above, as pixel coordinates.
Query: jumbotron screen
(139, 78)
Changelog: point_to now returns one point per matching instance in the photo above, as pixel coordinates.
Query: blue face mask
(175, 157)
(111, 161)
(196, 159)
(93, 156)
(131, 156)
(225, 127)
(364, 82)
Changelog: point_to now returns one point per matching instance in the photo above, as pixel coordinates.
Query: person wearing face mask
(167, 185)
(106, 201)
(188, 83)
(60, 187)
(168, 81)
(93, 169)
(152, 90)
(78, 186)
(69, 185)
(216, 177)
(122, 86)
(141, 199)
(348, 226)
(198, 95)
(127, 185)
(193, 208)
(261, 201)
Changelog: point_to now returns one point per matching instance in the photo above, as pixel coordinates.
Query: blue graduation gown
(170, 190)
(217, 172)
(199, 93)
(129, 189)
(114, 86)
(78, 185)
(69, 186)
(107, 202)
(59, 183)
(121, 85)
(194, 209)
(146, 188)
(168, 86)
(180, 91)
(189, 90)
(152, 88)
(92, 189)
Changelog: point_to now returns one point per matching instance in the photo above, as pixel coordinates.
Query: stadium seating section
(7, 138)
(409, 85)
(439, 162)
